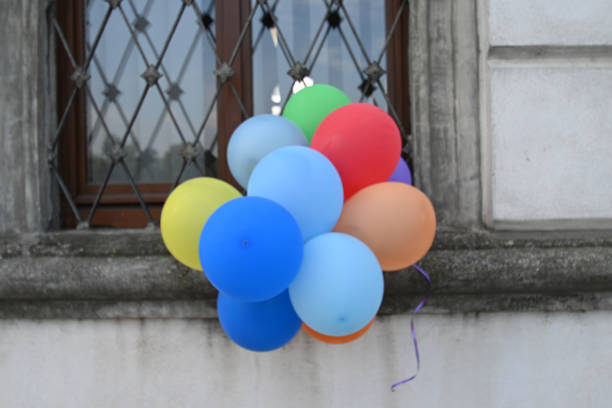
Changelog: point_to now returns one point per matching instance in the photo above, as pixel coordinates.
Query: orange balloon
(396, 220)
(338, 339)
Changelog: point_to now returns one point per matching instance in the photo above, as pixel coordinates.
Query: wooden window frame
(119, 205)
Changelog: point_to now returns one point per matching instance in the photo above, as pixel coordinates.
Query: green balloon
(311, 105)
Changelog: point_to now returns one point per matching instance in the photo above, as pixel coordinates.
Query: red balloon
(362, 141)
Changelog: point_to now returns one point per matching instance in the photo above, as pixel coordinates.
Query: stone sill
(129, 274)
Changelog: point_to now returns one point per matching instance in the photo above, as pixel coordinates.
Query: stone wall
(500, 360)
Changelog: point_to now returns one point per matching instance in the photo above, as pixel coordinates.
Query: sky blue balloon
(303, 181)
(259, 326)
(251, 249)
(256, 137)
(339, 287)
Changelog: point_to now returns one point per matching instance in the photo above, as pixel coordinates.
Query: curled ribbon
(414, 338)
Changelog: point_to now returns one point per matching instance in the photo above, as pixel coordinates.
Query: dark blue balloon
(259, 326)
(251, 249)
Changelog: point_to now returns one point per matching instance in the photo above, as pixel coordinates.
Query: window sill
(129, 274)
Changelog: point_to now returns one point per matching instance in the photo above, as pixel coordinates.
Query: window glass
(153, 146)
(339, 61)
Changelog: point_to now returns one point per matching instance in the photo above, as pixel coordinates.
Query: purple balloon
(402, 173)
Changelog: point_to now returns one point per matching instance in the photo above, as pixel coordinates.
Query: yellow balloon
(186, 211)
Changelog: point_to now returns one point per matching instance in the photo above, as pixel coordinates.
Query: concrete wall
(546, 81)
(492, 360)
(25, 116)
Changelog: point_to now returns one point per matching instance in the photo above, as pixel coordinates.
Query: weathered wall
(444, 102)
(546, 81)
(490, 360)
(25, 182)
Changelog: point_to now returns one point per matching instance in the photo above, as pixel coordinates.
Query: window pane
(298, 21)
(153, 147)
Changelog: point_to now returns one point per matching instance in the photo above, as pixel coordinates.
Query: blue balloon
(339, 287)
(303, 181)
(259, 326)
(251, 249)
(256, 137)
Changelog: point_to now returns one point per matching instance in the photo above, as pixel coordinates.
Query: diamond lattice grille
(148, 79)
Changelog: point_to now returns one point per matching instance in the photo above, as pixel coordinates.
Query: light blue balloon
(339, 287)
(303, 181)
(256, 137)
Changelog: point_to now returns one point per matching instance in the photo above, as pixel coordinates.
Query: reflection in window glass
(152, 150)
(298, 21)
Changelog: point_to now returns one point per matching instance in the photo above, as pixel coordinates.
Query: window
(150, 91)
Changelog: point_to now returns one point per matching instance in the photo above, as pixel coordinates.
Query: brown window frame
(119, 206)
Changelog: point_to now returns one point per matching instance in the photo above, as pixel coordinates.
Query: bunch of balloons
(329, 206)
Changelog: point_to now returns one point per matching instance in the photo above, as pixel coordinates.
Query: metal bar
(104, 125)
(262, 29)
(212, 41)
(350, 23)
(188, 57)
(350, 51)
(145, 10)
(157, 56)
(208, 112)
(123, 62)
(314, 41)
(187, 118)
(157, 127)
(133, 36)
(391, 31)
(240, 103)
(180, 174)
(210, 6)
(66, 193)
(170, 35)
(282, 42)
(178, 129)
(136, 191)
(62, 121)
(195, 163)
(106, 101)
(285, 50)
(288, 96)
(213, 144)
(391, 107)
(64, 43)
(136, 111)
(210, 37)
(124, 119)
(98, 36)
(119, 72)
(242, 35)
(318, 52)
(94, 206)
(259, 36)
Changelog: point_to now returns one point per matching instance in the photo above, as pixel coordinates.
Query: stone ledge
(206, 308)
(109, 243)
(129, 274)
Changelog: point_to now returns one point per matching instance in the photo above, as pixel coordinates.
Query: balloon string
(413, 332)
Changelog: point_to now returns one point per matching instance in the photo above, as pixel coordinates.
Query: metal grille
(121, 153)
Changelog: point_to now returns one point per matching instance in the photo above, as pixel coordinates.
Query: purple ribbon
(414, 339)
